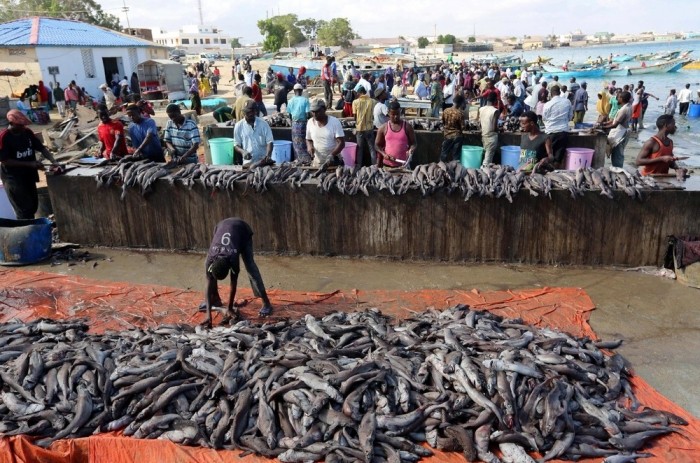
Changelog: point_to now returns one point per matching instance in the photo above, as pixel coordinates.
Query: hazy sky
(419, 17)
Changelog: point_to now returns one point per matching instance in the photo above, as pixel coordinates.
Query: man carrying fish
(656, 155)
(233, 239)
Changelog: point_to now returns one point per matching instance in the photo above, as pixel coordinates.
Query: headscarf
(16, 117)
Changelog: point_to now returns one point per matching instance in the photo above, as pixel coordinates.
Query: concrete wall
(589, 230)
(19, 58)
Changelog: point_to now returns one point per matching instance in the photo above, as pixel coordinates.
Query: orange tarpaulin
(28, 295)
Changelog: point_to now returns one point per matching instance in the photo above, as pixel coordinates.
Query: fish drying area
(386, 343)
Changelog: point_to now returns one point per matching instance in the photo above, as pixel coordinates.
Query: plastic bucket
(24, 242)
(349, 153)
(281, 151)
(6, 211)
(579, 157)
(472, 156)
(221, 151)
(694, 110)
(510, 156)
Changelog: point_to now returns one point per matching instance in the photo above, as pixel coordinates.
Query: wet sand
(657, 318)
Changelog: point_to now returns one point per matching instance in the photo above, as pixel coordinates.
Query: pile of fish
(279, 120)
(346, 387)
(493, 181)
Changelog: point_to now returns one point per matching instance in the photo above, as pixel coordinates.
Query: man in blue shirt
(181, 136)
(144, 137)
(299, 108)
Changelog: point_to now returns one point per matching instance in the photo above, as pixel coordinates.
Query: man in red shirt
(258, 96)
(111, 135)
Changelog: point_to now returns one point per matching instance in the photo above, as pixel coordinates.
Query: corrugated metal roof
(53, 32)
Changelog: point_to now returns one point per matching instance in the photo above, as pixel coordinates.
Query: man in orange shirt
(656, 155)
(111, 135)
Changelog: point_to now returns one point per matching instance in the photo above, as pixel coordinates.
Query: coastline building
(194, 39)
(61, 50)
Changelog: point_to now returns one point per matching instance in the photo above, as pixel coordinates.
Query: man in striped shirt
(181, 136)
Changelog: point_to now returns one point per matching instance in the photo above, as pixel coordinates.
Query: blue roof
(51, 32)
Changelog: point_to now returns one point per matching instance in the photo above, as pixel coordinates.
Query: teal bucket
(510, 156)
(281, 151)
(24, 242)
(222, 151)
(472, 156)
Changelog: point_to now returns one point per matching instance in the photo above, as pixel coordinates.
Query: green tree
(88, 11)
(471, 39)
(423, 42)
(275, 30)
(235, 43)
(449, 39)
(336, 33)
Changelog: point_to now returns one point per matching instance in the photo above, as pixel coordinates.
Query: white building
(194, 39)
(59, 50)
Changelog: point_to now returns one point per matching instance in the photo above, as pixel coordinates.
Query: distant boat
(622, 58)
(693, 65)
(313, 67)
(657, 68)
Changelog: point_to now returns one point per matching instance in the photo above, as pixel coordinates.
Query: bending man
(233, 238)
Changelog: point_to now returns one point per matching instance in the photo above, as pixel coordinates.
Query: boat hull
(671, 66)
(583, 73)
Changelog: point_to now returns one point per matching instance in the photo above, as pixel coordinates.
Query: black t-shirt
(230, 235)
(20, 147)
(281, 90)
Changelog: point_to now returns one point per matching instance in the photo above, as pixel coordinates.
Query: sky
(239, 18)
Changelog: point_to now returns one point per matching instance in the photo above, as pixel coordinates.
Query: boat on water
(314, 66)
(693, 65)
(656, 68)
(549, 70)
(622, 58)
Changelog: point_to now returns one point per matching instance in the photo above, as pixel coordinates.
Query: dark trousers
(23, 197)
(365, 138)
(683, 108)
(451, 149)
(328, 93)
(256, 282)
(261, 108)
(559, 140)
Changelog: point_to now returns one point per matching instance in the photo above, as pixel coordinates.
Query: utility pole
(199, 5)
(435, 40)
(125, 9)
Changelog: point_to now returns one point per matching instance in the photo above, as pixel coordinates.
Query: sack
(617, 136)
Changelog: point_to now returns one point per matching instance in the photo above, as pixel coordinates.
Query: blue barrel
(694, 110)
(24, 242)
(510, 156)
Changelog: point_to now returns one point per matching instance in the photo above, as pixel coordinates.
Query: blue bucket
(24, 242)
(694, 110)
(281, 151)
(472, 156)
(510, 156)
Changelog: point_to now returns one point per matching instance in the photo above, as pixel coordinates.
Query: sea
(687, 137)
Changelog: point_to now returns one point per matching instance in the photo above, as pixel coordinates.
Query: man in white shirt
(684, 100)
(556, 115)
(253, 135)
(364, 82)
(325, 137)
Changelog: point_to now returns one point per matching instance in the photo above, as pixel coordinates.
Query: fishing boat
(314, 66)
(622, 58)
(693, 65)
(578, 73)
(656, 68)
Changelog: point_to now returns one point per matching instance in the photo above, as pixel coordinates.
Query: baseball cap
(318, 104)
(298, 87)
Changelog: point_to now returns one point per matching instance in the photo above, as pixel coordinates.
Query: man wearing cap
(181, 136)
(233, 240)
(241, 102)
(19, 166)
(299, 108)
(282, 88)
(324, 135)
(253, 135)
(363, 109)
(381, 111)
(144, 136)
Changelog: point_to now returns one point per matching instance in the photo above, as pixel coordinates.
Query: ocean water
(687, 137)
